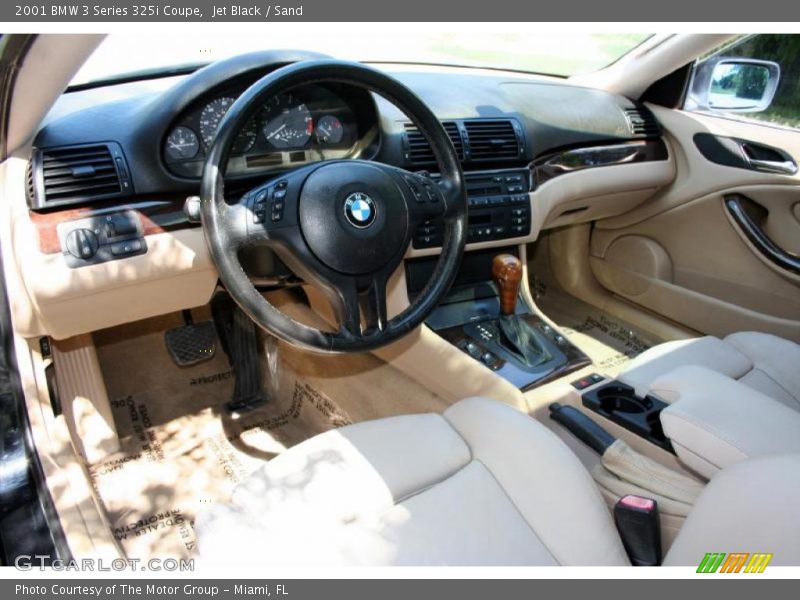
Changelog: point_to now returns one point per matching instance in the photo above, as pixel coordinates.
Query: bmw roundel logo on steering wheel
(360, 210)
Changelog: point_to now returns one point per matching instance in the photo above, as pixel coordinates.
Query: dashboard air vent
(29, 190)
(418, 150)
(642, 122)
(77, 174)
(492, 140)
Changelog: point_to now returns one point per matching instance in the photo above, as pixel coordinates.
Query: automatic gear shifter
(516, 336)
(507, 275)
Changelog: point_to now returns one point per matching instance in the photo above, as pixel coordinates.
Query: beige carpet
(610, 342)
(182, 450)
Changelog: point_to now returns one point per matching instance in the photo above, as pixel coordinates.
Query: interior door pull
(760, 240)
(784, 167)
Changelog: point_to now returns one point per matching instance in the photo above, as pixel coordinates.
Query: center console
(485, 317)
(499, 208)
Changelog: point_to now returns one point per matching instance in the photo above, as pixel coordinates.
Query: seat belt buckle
(639, 527)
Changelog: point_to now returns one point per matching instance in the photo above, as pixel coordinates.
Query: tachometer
(288, 122)
(182, 144)
(210, 118)
(329, 130)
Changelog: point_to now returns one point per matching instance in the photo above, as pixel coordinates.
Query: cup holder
(619, 403)
(616, 403)
(618, 398)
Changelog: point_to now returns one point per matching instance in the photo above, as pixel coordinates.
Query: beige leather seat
(482, 484)
(764, 362)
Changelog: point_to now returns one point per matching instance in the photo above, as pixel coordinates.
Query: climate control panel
(499, 208)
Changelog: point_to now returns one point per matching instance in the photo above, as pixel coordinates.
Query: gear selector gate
(485, 317)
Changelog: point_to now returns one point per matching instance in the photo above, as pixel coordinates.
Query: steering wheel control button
(260, 206)
(278, 202)
(431, 192)
(415, 188)
(360, 210)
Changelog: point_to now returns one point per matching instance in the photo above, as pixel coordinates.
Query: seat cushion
(482, 484)
(761, 361)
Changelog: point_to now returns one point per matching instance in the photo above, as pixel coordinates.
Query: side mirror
(733, 85)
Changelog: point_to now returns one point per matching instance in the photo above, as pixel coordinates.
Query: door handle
(758, 238)
(785, 167)
(744, 154)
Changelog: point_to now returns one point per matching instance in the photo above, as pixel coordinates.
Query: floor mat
(180, 448)
(610, 342)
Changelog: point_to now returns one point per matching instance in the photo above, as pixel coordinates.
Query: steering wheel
(343, 226)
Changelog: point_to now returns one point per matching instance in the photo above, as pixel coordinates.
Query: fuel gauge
(329, 130)
(182, 144)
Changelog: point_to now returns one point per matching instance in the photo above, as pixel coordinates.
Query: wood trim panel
(156, 216)
(601, 155)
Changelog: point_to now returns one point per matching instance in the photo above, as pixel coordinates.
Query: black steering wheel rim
(221, 220)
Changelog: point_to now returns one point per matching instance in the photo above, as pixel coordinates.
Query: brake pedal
(192, 343)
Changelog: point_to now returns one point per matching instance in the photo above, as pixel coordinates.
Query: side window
(723, 86)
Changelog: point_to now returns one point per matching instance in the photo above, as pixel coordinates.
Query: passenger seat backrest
(752, 506)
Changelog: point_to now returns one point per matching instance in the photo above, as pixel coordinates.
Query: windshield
(562, 54)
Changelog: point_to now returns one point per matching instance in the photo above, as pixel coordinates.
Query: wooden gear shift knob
(507, 276)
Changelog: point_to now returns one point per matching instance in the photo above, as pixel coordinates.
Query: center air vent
(475, 140)
(77, 174)
(642, 122)
(418, 150)
(492, 140)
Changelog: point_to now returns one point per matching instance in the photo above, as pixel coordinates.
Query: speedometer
(211, 117)
(288, 122)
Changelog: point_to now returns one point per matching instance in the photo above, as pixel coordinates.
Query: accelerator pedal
(239, 339)
(191, 343)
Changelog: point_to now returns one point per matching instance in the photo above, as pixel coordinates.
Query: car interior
(285, 308)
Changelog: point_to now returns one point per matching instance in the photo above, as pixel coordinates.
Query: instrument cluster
(307, 124)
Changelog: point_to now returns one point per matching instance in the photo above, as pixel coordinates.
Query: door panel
(691, 253)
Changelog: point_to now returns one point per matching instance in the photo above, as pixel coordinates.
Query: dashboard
(160, 130)
(517, 137)
(112, 166)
